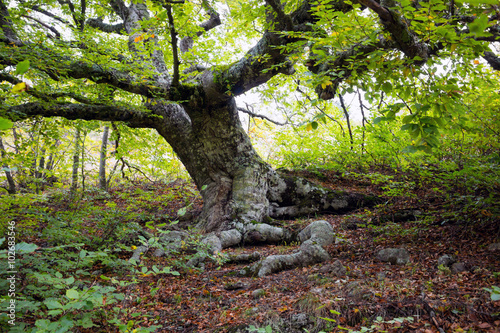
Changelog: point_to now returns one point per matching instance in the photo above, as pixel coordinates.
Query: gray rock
(138, 252)
(258, 293)
(353, 289)
(159, 253)
(235, 286)
(317, 290)
(172, 241)
(458, 267)
(173, 236)
(494, 247)
(213, 242)
(299, 320)
(394, 256)
(336, 269)
(446, 260)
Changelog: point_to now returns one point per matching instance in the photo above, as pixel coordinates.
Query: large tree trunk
(237, 186)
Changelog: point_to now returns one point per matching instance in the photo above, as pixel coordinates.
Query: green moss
(220, 78)
(183, 92)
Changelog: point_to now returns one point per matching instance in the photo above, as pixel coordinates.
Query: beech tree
(177, 66)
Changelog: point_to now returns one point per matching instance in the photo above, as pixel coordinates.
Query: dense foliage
(399, 96)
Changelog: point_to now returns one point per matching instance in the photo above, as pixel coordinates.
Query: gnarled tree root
(314, 238)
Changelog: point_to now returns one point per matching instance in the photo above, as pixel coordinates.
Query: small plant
(444, 270)
(267, 329)
(494, 293)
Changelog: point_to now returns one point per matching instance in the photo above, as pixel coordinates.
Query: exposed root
(314, 238)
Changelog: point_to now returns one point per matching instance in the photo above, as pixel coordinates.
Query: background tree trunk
(102, 159)
(8, 173)
(76, 160)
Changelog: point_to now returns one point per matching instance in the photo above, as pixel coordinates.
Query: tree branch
(43, 96)
(341, 65)
(255, 115)
(173, 41)
(281, 16)
(97, 23)
(9, 35)
(132, 117)
(269, 57)
(37, 8)
(58, 67)
(119, 8)
(54, 30)
(405, 39)
(187, 42)
(492, 59)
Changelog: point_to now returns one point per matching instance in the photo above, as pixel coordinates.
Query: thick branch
(173, 41)
(9, 35)
(97, 23)
(132, 117)
(342, 65)
(492, 59)
(187, 42)
(281, 16)
(43, 96)
(269, 57)
(405, 39)
(119, 8)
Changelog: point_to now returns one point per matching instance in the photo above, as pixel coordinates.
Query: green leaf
(5, 124)
(42, 323)
(66, 324)
(407, 119)
(72, 294)
(432, 141)
(479, 2)
(411, 149)
(478, 26)
(182, 211)
(55, 312)
(52, 304)
(387, 87)
(26, 248)
(406, 127)
(22, 67)
(314, 125)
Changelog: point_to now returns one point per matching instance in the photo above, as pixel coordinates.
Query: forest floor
(372, 296)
